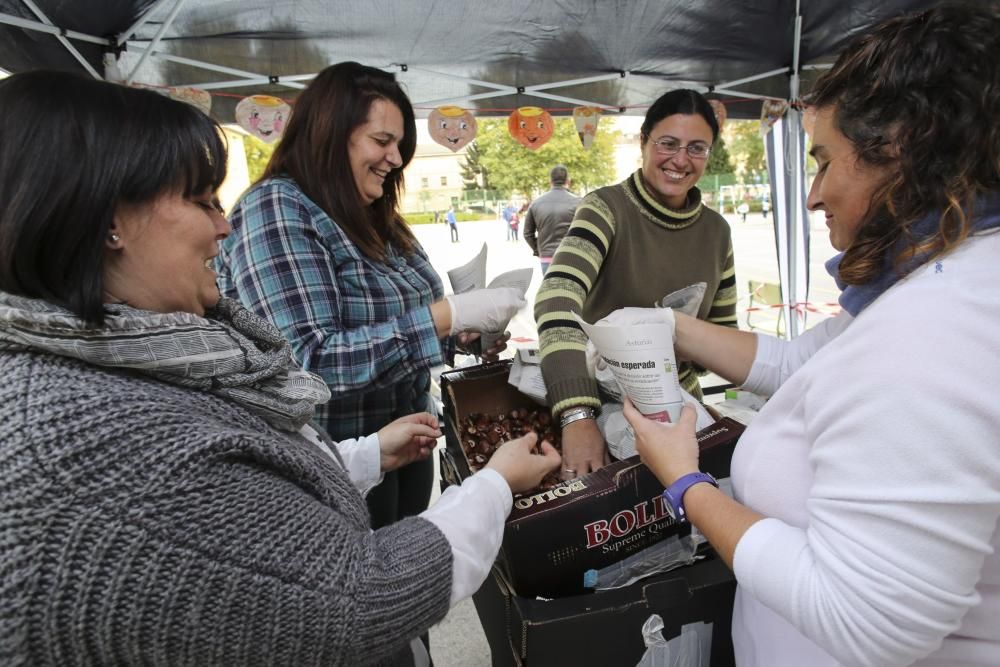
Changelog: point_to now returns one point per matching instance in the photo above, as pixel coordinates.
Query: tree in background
(746, 148)
(513, 168)
(719, 161)
(258, 154)
(474, 175)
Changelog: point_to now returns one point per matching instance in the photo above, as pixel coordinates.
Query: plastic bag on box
(668, 554)
(740, 405)
(692, 648)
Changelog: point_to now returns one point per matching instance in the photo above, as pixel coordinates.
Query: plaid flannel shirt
(364, 326)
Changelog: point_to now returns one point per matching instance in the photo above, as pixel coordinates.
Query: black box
(604, 629)
(553, 538)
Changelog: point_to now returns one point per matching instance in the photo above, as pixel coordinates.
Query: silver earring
(115, 238)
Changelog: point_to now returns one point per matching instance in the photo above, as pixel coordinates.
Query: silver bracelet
(576, 414)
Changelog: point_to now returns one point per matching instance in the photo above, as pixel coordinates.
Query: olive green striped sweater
(626, 249)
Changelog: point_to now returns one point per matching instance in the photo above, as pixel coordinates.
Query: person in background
(515, 224)
(548, 218)
(743, 209)
(452, 224)
(320, 249)
(166, 499)
(631, 244)
(508, 215)
(864, 529)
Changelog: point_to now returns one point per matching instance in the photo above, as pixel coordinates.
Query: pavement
(458, 641)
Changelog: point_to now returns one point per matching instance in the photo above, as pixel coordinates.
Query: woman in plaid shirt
(320, 249)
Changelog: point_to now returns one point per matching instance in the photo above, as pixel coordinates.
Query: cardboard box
(553, 538)
(604, 629)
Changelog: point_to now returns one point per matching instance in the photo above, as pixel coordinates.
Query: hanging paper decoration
(530, 126)
(586, 119)
(263, 116)
(200, 99)
(808, 119)
(719, 109)
(452, 127)
(770, 112)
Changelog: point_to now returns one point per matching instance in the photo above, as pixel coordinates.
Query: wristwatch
(674, 494)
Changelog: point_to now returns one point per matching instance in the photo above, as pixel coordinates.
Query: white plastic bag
(692, 648)
(686, 300)
(618, 432)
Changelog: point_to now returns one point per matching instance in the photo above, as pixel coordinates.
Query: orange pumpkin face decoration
(452, 127)
(530, 126)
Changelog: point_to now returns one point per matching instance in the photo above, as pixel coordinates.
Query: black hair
(558, 175)
(680, 101)
(72, 149)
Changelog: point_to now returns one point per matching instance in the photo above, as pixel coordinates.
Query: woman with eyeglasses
(631, 244)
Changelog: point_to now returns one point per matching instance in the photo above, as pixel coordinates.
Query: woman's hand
(522, 469)
(669, 450)
(408, 439)
(484, 309)
(467, 344)
(584, 449)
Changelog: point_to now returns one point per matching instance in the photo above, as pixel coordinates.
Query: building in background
(434, 177)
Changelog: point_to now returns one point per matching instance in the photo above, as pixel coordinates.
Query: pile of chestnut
(482, 433)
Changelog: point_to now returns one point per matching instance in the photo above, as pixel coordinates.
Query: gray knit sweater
(144, 523)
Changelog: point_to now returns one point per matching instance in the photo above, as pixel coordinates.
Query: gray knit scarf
(230, 352)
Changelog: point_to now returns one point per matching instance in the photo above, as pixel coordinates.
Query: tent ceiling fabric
(661, 44)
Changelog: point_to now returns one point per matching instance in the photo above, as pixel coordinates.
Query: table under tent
(490, 56)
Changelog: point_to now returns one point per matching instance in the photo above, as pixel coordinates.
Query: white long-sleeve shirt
(471, 516)
(878, 463)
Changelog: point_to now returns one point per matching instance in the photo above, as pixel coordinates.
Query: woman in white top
(867, 491)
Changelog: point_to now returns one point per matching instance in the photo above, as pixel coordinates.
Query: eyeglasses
(670, 146)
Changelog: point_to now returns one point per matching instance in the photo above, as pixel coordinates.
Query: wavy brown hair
(314, 153)
(919, 94)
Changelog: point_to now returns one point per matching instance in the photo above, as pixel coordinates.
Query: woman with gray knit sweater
(165, 500)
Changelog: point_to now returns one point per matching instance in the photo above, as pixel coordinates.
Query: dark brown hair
(920, 95)
(314, 153)
(72, 149)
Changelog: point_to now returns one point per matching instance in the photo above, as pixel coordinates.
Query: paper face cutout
(263, 116)
(530, 126)
(586, 119)
(200, 99)
(770, 112)
(719, 109)
(452, 127)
